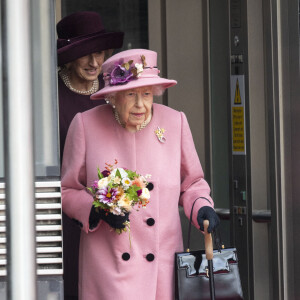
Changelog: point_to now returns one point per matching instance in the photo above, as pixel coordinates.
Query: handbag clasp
(207, 273)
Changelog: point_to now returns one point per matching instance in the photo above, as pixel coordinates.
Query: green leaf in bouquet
(98, 204)
(118, 174)
(131, 192)
(135, 187)
(102, 205)
(132, 174)
(90, 189)
(100, 175)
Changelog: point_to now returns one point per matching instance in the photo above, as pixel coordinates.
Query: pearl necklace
(143, 125)
(65, 78)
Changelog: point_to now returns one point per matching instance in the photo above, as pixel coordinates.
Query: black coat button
(150, 221)
(150, 186)
(150, 257)
(125, 256)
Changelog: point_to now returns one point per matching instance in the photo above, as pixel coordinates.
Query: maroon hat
(83, 33)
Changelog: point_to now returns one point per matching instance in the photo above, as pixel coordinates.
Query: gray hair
(157, 90)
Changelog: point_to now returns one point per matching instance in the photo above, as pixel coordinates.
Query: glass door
(129, 16)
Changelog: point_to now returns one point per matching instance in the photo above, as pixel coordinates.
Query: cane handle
(208, 242)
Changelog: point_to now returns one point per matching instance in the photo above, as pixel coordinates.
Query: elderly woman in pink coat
(147, 138)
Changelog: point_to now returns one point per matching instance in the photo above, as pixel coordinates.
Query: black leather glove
(112, 220)
(208, 213)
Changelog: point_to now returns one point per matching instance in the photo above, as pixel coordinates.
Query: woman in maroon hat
(82, 46)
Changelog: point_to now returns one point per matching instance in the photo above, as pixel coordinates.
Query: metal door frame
(282, 77)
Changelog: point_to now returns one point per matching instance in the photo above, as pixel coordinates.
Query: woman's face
(87, 68)
(133, 106)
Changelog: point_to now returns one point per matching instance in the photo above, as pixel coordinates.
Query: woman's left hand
(208, 213)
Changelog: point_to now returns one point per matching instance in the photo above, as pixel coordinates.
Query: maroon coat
(71, 103)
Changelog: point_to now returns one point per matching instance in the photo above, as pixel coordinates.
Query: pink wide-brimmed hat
(83, 33)
(131, 69)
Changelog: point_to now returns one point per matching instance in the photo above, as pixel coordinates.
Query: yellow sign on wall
(237, 96)
(238, 130)
(238, 114)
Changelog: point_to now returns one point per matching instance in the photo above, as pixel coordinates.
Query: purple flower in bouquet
(105, 173)
(95, 185)
(107, 195)
(120, 75)
(139, 192)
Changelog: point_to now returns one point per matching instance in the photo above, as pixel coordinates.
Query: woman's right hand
(112, 220)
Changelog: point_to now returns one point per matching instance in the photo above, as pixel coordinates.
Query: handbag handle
(218, 241)
(209, 250)
(190, 225)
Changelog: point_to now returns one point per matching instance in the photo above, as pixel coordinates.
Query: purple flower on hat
(124, 72)
(120, 75)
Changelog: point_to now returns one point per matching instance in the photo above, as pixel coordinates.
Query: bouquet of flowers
(119, 190)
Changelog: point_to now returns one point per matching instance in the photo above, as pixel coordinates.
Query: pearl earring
(107, 101)
(114, 106)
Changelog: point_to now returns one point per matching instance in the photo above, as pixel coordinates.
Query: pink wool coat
(109, 268)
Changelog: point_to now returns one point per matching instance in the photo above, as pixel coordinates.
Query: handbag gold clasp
(207, 273)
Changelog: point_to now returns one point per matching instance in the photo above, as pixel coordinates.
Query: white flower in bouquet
(117, 180)
(117, 211)
(125, 202)
(122, 172)
(126, 183)
(102, 183)
(145, 194)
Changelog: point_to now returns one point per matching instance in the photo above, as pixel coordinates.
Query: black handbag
(192, 274)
